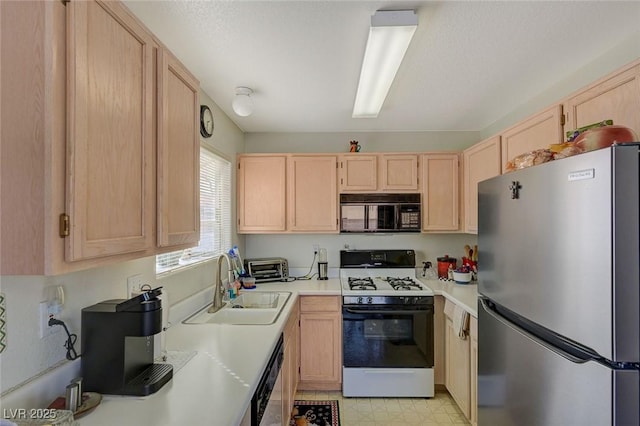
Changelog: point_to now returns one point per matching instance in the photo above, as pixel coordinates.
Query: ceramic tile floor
(439, 410)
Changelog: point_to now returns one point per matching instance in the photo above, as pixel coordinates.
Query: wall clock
(206, 121)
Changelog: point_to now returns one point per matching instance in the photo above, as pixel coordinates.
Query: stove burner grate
(366, 283)
(403, 284)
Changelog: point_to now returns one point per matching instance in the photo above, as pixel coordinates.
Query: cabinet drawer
(319, 303)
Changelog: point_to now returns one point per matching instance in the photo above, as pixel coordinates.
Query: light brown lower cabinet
(473, 334)
(320, 343)
(291, 362)
(461, 355)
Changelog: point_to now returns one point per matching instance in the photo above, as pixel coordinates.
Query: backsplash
(298, 249)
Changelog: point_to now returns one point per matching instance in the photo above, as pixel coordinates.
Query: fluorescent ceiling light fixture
(389, 37)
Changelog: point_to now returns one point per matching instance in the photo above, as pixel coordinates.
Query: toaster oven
(268, 269)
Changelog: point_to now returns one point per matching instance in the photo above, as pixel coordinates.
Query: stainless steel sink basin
(250, 308)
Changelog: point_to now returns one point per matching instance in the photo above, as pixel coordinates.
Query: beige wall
(370, 141)
(610, 61)
(27, 356)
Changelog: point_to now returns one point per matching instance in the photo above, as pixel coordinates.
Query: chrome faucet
(218, 288)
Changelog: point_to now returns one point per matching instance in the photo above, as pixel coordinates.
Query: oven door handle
(387, 312)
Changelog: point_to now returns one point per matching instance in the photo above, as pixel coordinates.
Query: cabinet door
(110, 135)
(480, 162)
(178, 154)
(457, 370)
(439, 326)
(320, 350)
(320, 343)
(536, 132)
(358, 173)
(261, 193)
(617, 98)
(399, 172)
(473, 355)
(290, 363)
(440, 192)
(313, 193)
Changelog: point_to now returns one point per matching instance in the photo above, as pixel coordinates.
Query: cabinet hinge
(238, 166)
(64, 225)
(563, 120)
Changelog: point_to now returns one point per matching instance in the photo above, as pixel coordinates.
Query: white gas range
(387, 325)
(382, 282)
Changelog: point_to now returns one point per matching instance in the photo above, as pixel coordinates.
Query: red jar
(443, 265)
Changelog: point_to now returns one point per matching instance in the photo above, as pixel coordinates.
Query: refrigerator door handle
(580, 357)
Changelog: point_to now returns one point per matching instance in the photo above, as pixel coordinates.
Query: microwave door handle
(397, 214)
(366, 216)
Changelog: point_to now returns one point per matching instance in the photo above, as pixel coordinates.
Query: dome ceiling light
(243, 104)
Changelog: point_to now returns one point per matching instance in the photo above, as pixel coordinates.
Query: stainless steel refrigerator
(559, 292)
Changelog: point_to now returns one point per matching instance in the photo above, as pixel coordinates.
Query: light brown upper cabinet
(33, 133)
(399, 172)
(313, 193)
(110, 111)
(536, 132)
(480, 162)
(615, 97)
(358, 172)
(262, 193)
(440, 195)
(394, 172)
(79, 122)
(178, 172)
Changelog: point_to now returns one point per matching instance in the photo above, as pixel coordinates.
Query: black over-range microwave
(380, 213)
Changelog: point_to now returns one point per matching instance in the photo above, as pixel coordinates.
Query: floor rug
(315, 413)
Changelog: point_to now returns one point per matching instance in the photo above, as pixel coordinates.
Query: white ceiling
(469, 64)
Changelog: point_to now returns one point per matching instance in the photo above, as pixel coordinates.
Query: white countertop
(215, 387)
(464, 295)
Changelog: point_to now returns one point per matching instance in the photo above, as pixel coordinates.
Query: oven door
(387, 336)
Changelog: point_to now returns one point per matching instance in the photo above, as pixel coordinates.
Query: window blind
(215, 215)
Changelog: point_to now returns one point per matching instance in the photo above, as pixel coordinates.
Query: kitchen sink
(250, 308)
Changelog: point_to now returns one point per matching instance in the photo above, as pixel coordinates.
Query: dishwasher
(266, 404)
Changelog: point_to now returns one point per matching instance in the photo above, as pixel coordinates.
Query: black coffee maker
(117, 346)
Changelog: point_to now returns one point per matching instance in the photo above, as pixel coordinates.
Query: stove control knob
(359, 299)
(369, 300)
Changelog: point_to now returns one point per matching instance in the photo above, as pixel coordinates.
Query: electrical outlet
(316, 248)
(134, 285)
(45, 310)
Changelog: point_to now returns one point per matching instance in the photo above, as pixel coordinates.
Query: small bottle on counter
(450, 272)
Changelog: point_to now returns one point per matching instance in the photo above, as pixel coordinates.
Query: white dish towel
(460, 318)
(460, 322)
